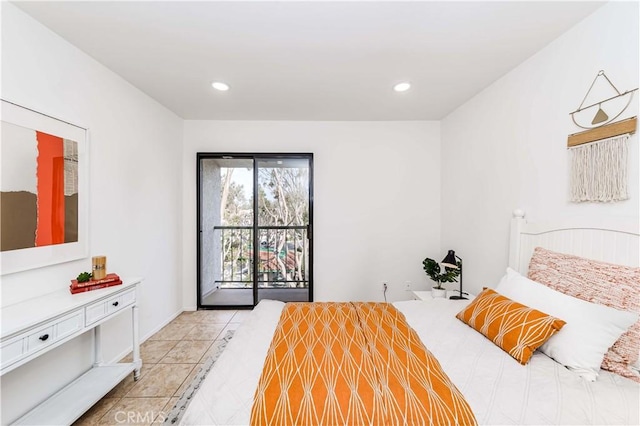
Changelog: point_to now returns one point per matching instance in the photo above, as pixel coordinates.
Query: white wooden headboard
(614, 240)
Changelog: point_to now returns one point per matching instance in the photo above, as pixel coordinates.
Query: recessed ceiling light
(218, 85)
(402, 87)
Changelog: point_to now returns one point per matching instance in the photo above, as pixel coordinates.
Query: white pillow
(590, 329)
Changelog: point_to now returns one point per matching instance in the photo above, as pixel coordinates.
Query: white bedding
(499, 390)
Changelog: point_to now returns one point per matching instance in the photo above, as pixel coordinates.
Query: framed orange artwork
(44, 184)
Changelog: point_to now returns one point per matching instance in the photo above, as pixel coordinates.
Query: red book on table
(93, 287)
(109, 278)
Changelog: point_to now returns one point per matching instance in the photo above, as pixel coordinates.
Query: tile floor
(170, 358)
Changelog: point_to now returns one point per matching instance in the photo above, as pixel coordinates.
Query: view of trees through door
(254, 201)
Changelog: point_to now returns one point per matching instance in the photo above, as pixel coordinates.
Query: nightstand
(426, 295)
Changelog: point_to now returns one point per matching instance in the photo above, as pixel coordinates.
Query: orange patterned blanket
(353, 364)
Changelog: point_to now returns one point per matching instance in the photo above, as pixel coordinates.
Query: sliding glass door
(254, 228)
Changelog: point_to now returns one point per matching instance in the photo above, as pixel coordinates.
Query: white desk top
(25, 314)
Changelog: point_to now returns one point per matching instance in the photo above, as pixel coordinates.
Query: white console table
(35, 326)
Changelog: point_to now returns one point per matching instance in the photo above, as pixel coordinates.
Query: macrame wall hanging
(599, 155)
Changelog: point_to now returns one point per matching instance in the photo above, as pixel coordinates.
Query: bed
(498, 389)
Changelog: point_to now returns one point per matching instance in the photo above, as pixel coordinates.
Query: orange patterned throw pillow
(514, 327)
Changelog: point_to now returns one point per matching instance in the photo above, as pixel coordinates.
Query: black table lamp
(449, 261)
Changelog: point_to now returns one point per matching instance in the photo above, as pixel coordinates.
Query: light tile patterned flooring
(170, 360)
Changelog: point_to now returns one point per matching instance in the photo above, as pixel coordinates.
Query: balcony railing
(282, 257)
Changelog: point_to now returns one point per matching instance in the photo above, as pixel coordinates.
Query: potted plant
(435, 272)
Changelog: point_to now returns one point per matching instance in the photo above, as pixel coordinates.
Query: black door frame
(250, 156)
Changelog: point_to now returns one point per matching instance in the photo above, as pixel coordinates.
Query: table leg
(97, 346)
(136, 343)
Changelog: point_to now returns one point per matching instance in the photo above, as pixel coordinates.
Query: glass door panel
(226, 232)
(283, 210)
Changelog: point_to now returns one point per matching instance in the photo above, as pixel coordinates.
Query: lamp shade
(449, 260)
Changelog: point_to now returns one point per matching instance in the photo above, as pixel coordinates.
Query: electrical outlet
(407, 285)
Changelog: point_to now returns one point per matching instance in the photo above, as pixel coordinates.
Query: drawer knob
(44, 337)
(115, 303)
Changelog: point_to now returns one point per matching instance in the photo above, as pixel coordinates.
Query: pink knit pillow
(602, 283)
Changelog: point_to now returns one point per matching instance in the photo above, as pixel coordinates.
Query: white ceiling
(310, 60)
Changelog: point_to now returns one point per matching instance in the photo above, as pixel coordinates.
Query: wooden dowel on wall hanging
(603, 132)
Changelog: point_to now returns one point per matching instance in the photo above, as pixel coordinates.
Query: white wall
(506, 147)
(376, 198)
(135, 194)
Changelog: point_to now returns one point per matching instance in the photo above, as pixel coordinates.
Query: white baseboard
(210, 292)
(146, 336)
(189, 308)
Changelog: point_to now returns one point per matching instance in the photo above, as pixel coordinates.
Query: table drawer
(102, 309)
(123, 300)
(95, 312)
(11, 351)
(47, 334)
(40, 339)
(54, 331)
(69, 325)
